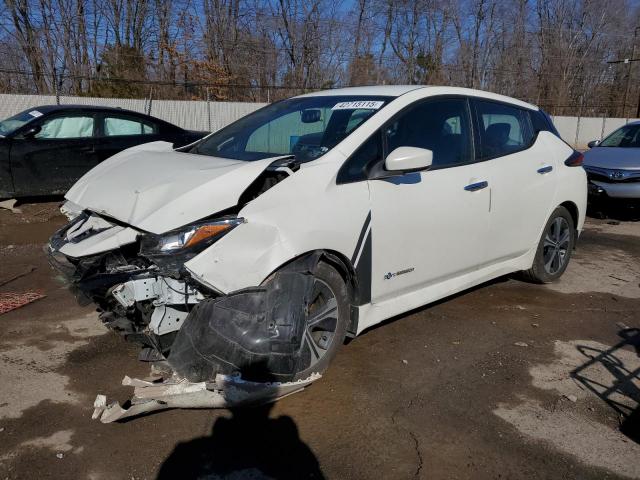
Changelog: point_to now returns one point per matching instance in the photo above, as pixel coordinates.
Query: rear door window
(118, 126)
(503, 129)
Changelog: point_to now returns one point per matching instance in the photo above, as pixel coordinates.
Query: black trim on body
(363, 267)
(367, 221)
(363, 272)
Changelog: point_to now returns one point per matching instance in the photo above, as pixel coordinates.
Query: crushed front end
(142, 290)
(136, 280)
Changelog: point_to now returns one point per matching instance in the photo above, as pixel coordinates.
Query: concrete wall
(192, 115)
(200, 115)
(578, 131)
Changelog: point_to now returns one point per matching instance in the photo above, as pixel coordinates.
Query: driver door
(50, 162)
(430, 226)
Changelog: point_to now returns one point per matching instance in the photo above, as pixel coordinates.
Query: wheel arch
(573, 210)
(343, 266)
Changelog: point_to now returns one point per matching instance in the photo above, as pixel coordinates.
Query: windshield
(12, 124)
(625, 137)
(305, 127)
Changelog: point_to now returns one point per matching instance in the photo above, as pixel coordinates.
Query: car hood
(154, 188)
(613, 158)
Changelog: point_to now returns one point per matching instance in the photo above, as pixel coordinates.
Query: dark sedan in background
(44, 150)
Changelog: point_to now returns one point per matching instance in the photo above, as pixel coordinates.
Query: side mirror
(31, 131)
(311, 115)
(593, 143)
(408, 159)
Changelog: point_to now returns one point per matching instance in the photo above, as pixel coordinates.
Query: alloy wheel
(556, 245)
(321, 322)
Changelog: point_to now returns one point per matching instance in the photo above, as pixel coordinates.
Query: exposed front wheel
(554, 249)
(326, 321)
(287, 329)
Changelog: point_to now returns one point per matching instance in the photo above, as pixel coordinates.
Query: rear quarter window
(541, 122)
(127, 126)
(504, 129)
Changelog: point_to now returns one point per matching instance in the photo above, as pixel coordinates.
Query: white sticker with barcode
(361, 104)
(35, 113)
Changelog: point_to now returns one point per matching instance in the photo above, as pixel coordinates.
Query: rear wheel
(554, 249)
(326, 321)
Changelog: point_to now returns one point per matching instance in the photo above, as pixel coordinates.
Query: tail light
(575, 160)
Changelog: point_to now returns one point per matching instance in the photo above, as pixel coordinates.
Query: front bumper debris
(226, 391)
(212, 351)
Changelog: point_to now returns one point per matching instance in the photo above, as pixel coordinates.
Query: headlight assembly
(191, 238)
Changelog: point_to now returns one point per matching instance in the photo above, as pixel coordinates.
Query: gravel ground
(508, 380)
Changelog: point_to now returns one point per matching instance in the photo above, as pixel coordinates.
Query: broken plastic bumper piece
(226, 391)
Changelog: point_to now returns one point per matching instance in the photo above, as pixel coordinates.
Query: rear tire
(554, 249)
(331, 303)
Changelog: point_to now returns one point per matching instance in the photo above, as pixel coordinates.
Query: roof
(55, 108)
(374, 90)
(398, 90)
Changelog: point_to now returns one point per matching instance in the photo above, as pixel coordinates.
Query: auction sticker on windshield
(365, 104)
(35, 113)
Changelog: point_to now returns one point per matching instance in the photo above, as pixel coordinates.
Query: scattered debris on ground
(11, 301)
(10, 205)
(225, 392)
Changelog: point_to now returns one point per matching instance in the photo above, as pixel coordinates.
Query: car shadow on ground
(623, 393)
(423, 308)
(248, 445)
(615, 211)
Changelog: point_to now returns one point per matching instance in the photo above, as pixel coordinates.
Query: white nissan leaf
(256, 250)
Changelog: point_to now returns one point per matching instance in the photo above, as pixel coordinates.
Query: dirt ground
(508, 380)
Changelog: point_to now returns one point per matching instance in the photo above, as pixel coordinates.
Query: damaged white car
(251, 254)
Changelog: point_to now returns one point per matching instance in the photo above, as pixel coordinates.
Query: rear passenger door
(523, 178)
(118, 132)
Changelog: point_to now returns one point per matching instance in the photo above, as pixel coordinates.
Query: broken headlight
(191, 238)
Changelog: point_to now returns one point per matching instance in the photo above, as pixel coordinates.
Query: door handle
(476, 186)
(545, 169)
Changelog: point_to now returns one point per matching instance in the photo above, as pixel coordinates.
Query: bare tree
(551, 52)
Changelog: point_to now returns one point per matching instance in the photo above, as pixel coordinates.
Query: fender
(273, 236)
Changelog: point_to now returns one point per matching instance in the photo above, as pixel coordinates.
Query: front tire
(554, 249)
(326, 322)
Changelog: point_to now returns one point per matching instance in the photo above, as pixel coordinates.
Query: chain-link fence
(211, 116)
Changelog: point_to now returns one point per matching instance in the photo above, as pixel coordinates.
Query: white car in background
(259, 248)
